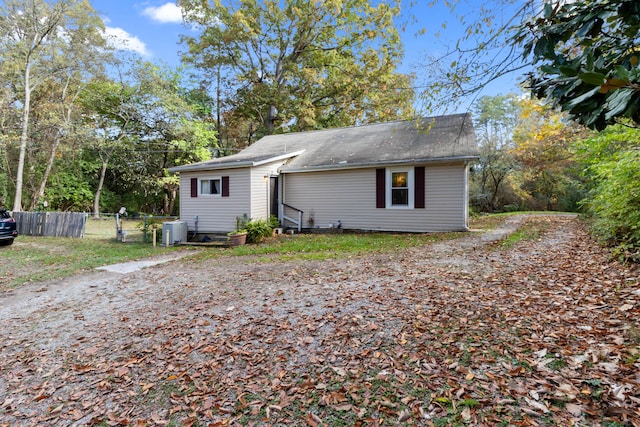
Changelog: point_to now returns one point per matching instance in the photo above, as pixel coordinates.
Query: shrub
(612, 160)
(615, 203)
(257, 230)
(274, 222)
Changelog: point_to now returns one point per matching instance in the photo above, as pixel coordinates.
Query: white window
(400, 191)
(211, 187)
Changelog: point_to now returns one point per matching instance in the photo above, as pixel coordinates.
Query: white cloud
(167, 13)
(121, 40)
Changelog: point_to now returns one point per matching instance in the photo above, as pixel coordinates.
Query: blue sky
(152, 28)
(149, 28)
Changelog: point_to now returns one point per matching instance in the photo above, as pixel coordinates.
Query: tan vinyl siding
(215, 214)
(350, 196)
(259, 188)
(446, 197)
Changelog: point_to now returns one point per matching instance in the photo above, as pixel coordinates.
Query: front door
(274, 195)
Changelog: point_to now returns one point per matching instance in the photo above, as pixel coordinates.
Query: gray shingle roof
(439, 138)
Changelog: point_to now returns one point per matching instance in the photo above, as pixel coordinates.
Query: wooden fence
(53, 224)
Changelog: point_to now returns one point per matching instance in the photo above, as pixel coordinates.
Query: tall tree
(457, 72)
(298, 65)
(106, 103)
(580, 55)
(34, 36)
(148, 122)
(586, 59)
(543, 149)
(494, 120)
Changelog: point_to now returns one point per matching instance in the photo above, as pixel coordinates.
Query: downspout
(281, 199)
(466, 196)
(268, 182)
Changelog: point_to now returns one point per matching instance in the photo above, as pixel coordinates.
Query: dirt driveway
(463, 332)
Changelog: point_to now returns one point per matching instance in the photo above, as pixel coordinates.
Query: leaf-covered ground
(539, 330)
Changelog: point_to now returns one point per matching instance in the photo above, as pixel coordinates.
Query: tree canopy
(581, 56)
(300, 65)
(586, 59)
(40, 41)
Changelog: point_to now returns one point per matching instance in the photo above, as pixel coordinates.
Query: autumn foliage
(471, 331)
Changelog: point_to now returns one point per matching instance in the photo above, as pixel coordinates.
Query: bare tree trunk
(66, 120)
(45, 177)
(96, 200)
(24, 138)
(270, 119)
(170, 195)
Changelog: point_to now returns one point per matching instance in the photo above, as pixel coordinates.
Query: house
(397, 176)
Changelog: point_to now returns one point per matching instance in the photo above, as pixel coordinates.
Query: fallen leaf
(575, 410)
(466, 414)
(404, 416)
(339, 371)
(313, 420)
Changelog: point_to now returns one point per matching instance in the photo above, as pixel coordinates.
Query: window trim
(410, 187)
(210, 178)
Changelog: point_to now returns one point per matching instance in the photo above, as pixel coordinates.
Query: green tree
(586, 59)
(580, 55)
(36, 38)
(612, 166)
(458, 72)
(300, 65)
(108, 106)
(543, 150)
(63, 116)
(144, 124)
(494, 121)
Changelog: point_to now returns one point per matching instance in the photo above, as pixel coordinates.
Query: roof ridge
(415, 119)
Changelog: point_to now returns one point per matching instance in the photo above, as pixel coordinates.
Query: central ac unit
(174, 232)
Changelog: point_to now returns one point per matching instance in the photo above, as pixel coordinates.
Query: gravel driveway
(545, 331)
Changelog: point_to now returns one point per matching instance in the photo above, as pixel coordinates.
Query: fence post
(117, 217)
(144, 229)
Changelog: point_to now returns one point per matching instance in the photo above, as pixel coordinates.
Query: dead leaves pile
(542, 333)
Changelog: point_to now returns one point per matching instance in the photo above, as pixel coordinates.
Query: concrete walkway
(131, 266)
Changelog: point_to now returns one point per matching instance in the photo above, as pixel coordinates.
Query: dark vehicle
(8, 229)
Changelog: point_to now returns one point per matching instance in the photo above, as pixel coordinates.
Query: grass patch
(531, 229)
(518, 236)
(556, 363)
(329, 246)
(492, 221)
(35, 259)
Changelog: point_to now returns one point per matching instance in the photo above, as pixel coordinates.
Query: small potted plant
(239, 235)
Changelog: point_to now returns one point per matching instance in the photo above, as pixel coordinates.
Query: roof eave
(343, 166)
(278, 158)
(233, 165)
(210, 166)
